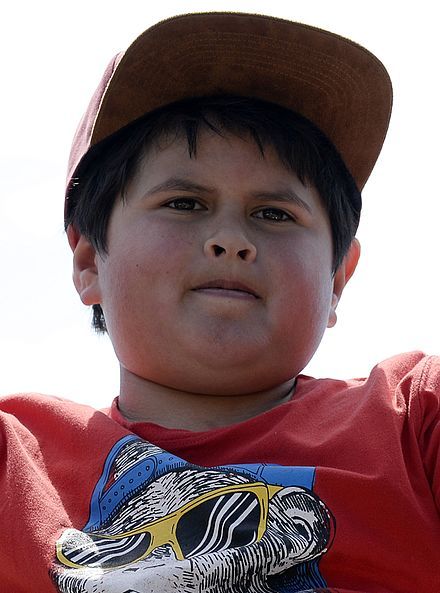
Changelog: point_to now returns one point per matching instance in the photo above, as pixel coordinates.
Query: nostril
(243, 253)
(218, 250)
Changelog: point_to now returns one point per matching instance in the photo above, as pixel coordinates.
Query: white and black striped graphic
(95, 551)
(228, 521)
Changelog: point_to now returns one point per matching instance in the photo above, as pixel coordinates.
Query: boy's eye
(273, 215)
(184, 204)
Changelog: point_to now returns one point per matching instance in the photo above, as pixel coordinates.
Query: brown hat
(338, 85)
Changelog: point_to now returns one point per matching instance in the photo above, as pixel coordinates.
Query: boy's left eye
(273, 215)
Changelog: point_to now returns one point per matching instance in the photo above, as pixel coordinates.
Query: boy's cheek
(152, 242)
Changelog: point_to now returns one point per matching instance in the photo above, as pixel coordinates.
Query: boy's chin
(218, 359)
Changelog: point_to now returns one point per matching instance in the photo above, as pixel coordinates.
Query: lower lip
(227, 293)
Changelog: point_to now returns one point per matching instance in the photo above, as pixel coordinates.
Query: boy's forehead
(222, 147)
(336, 84)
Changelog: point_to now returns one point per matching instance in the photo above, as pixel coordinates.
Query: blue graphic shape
(278, 475)
(105, 501)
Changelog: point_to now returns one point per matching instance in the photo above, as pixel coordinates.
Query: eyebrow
(284, 195)
(178, 183)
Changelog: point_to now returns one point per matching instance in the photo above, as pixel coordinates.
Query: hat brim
(338, 85)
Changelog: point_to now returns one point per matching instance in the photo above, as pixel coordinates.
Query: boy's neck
(144, 401)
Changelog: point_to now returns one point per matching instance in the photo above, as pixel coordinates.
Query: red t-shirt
(336, 490)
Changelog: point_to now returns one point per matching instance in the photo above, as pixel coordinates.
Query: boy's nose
(230, 245)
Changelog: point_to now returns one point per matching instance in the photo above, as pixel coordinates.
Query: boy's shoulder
(416, 364)
(396, 368)
(34, 405)
(29, 417)
(406, 384)
(415, 373)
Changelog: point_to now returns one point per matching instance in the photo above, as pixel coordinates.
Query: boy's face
(218, 277)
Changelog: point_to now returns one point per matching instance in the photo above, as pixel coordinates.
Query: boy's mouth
(227, 288)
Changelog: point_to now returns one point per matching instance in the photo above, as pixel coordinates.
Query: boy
(212, 224)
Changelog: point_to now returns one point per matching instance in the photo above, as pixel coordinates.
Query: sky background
(53, 55)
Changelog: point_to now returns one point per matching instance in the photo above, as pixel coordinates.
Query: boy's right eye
(184, 204)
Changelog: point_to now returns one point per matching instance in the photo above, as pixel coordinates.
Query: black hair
(108, 167)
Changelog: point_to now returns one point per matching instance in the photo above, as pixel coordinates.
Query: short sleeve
(429, 435)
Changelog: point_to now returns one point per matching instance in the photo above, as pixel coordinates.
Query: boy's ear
(342, 275)
(85, 271)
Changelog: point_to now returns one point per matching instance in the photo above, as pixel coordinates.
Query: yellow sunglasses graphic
(224, 518)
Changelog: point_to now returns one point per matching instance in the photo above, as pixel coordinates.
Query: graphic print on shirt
(158, 523)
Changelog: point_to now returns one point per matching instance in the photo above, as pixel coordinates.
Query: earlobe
(342, 275)
(85, 271)
(332, 316)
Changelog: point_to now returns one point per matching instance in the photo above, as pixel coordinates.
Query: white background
(52, 57)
